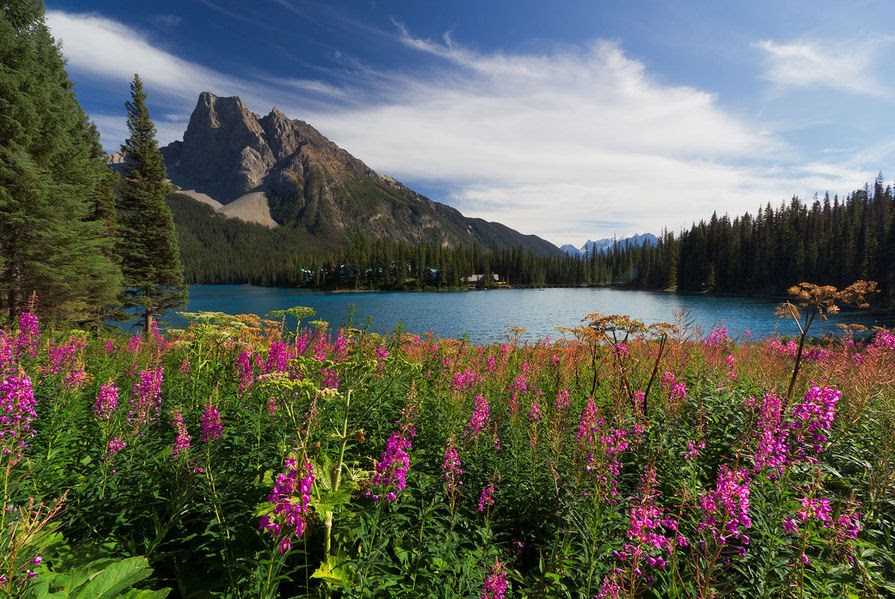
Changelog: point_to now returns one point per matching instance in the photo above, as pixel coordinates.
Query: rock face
(310, 183)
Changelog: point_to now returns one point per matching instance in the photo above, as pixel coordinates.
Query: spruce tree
(50, 174)
(151, 260)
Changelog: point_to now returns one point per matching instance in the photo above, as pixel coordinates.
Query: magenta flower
(495, 586)
(562, 400)
(146, 400)
(28, 339)
(771, 450)
(115, 445)
(212, 425)
(725, 509)
(466, 379)
(277, 357)
(717, 338)
(134, 344)
(451, 471)
(486, 499)
(481, 416)
(588, 424)
(391, 470)
(331, 378)
(17, 412)
(813, 418)
(182, 442)
(290, 496)
(815, 508)
(245, 371)
(106, 401)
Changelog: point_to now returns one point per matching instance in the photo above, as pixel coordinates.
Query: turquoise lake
(485, 316)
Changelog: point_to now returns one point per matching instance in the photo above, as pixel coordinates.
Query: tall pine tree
(51, 173)
(150, 255)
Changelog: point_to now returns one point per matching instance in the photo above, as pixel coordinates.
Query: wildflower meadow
(278, 457)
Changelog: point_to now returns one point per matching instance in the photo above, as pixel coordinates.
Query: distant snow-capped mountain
(601, 246)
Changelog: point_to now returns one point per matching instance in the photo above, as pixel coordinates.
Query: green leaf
(116, 578)
(332, 573)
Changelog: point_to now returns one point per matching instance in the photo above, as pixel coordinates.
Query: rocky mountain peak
(234, 156)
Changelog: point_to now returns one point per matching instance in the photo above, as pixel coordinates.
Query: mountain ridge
(311, 184)
(606, 244)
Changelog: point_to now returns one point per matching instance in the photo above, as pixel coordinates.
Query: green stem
(328, 515)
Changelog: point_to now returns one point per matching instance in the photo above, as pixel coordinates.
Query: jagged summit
(228, 153)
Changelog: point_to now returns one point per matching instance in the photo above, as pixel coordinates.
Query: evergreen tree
(51, 173)
(151, 260)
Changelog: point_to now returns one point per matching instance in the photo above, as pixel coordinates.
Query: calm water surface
(485, 316)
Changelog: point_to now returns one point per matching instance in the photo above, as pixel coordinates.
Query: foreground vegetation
(260, 458)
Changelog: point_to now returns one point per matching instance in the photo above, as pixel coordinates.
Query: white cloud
(849, 67)
(570, 143)
(107, 50)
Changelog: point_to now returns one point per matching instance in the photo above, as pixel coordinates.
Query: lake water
(485, 316)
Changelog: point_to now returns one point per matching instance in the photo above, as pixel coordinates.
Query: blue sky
(570, 119)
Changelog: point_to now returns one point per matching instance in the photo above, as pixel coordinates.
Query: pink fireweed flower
(17, 412)
(481, 416)
(245, 372)
(75, 379)
(28, 339)
(451, 471)
(340, 347)
(647, 526)
(291, 497)
(693, 449)
(716, 338)
(815, 508)
(134, 344)
(303, 342)
(790, 526)
(588, 425)
(486, 499)
(115, 445)
(678, 392)
(320, 347)
(639, 401)
(63, 357)
(491, 365)
(184, 368)
(610, 587)
(381, 357)
(182, 442)
(495, 586)
(464, 380)
(731, 363)
(331, 378)
(725, 510)
(106, 401)
(813, 418)
(146, 400)
(110, 347)
(391, 470)
(884, 340)
(534, 413)
(562, 400)
(771, 450)
(277, 357)
(848, 524)
(212, 425)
